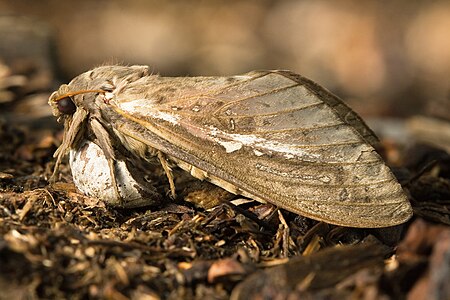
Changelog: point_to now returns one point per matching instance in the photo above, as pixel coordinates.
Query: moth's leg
(72, 128)
(105, 144)
(168, 172)
(56, 169)
(112, 168)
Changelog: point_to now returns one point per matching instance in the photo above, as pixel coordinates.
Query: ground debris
(334, 273)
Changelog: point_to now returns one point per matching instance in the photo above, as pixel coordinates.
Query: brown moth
(273, 136)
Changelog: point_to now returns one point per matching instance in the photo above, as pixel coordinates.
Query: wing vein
(217, 91)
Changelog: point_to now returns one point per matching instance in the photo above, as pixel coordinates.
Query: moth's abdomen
(92, 176)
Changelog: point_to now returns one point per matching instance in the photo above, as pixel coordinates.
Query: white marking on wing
(234, 141)
(144, 107)
(243, 77)
(230, 146)
(257, 153)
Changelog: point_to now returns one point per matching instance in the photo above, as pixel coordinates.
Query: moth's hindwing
(274, 136)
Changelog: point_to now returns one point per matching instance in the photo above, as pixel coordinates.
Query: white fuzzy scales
(92, 176)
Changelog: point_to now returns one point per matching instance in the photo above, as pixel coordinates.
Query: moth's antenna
(70, 94)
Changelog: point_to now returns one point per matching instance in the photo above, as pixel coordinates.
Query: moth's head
(70, 97)
(65, 101)
(83, 89)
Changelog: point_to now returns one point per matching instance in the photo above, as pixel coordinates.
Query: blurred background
(386, 59)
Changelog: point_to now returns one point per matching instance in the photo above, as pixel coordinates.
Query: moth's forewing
(273, 136)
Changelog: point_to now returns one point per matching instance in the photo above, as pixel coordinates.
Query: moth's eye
(66, 106)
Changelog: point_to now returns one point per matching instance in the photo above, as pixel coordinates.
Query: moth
(273, 136)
